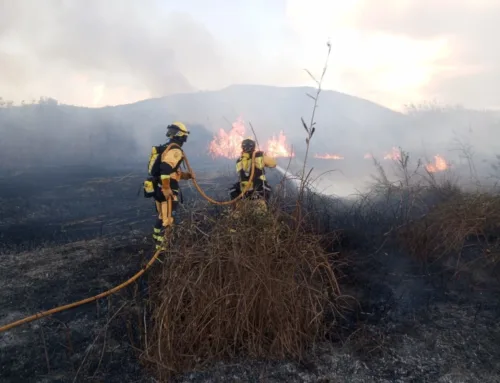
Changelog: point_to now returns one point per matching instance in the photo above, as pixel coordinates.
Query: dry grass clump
(246, 287)
(450, 225)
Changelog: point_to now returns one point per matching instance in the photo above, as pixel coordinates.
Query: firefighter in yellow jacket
(258, 188)
(164, 170)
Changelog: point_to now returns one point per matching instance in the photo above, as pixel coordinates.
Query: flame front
(439, 165)
(277, 147)
(228, 144)
(328, 156)
(395, 154)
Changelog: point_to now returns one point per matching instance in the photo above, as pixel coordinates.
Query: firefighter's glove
(165, 188)
(186, 176)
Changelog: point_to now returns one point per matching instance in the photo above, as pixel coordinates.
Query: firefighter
(258, 189)
(164, 167)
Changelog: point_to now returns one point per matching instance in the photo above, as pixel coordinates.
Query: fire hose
(43, 314)
(104, 294)
(222, 203)
(155, 256)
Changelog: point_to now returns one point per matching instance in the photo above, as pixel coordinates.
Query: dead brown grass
(451, 225)
(251, 287)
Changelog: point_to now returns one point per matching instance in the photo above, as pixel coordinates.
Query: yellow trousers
(164, 214)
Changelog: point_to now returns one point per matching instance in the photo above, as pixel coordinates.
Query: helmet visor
(172, 131)
(248, 145)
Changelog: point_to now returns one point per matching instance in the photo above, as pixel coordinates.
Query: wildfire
(439, 165)
(328, 156)
(395, 154)
(228, 144)
(277, 147)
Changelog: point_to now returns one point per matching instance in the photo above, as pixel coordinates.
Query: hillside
(271, 109)
(47, 134)
(98, 133)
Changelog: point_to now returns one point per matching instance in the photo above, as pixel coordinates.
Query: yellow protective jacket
(244, 167)
(171, 160)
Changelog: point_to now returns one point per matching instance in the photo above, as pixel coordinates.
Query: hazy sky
(106, 52)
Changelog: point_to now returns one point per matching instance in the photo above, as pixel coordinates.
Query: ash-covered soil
(66, 237)
(78, 344)
(410, 328)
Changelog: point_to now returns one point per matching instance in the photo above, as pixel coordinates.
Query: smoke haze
(184, 60)
(97, 53)
(126, 46)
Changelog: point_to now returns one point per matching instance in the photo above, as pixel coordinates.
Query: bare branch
(311, 75)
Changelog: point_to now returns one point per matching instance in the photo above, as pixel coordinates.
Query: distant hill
(342, 120)
(51, 134)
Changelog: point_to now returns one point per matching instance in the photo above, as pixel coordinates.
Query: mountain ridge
(271, 109)
(305, 89)
(345, 125)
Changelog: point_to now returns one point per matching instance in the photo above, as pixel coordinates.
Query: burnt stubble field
(70, 233)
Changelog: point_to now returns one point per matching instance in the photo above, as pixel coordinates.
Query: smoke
(326, 183)
(347, 129)
(289, 177)
(52, 46)
(110, 52)
(468, 72)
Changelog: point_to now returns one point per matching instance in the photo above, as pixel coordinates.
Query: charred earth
(70, 233)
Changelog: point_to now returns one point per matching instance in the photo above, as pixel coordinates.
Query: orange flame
(228, 144)
(439, 165)
(328, 156)
(395, 154)
(277, 147)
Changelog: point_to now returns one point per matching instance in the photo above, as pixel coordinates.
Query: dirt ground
(413, 324)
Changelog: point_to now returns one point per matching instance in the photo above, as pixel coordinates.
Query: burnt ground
(72, 234)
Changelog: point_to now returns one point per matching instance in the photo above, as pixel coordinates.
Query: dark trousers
(260, 192)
